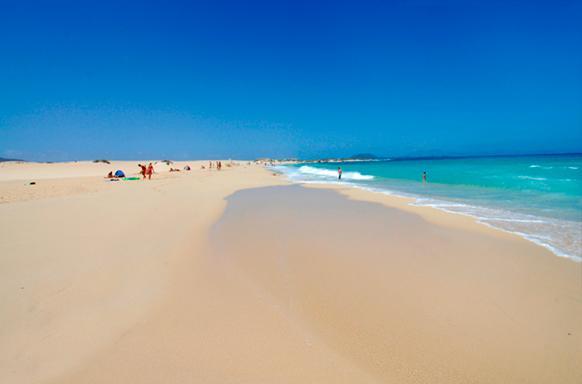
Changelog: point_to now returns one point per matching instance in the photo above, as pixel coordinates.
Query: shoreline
(440, 203)
(413, 201)
(228, 276)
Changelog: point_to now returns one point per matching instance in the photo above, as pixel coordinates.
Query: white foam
(327, 173)
(515, 220)
(539, 166)
(572, 167)
(532, 178)
(434, 204)
(538, 240)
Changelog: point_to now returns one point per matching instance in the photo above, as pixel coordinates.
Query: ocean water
(537, 197)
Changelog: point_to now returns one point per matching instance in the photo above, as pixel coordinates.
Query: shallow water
(537, 197)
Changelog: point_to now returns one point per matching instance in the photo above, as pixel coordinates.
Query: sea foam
(532, 178)
(327, 173)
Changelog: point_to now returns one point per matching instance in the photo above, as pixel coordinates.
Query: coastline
(413, 201)
(557, 235)
(193, 277)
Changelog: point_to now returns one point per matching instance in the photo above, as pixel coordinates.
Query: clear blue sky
(243, 79)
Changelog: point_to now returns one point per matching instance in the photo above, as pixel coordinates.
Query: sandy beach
(238, 276)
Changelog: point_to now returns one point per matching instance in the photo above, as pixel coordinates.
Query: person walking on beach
(219, 165)
(150, 171)
(339, 173)
(143, 170)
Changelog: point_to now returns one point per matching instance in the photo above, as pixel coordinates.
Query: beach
(240, 276)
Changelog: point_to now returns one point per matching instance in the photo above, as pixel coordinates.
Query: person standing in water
(339, 173)
(424, 177)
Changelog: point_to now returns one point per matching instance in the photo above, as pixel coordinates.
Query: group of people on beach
(218, 165)
(146, 171)
(117, 175)
(186, 168)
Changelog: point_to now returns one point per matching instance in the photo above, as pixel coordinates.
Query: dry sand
(153, 281)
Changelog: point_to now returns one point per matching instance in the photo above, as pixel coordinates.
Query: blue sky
(218, 79)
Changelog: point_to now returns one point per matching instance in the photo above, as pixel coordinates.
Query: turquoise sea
(537, 197)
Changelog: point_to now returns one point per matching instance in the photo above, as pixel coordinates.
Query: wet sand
(403, 299)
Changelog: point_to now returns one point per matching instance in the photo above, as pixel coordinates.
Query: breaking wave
(328, 173)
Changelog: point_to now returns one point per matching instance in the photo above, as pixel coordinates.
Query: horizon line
(375, 158)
